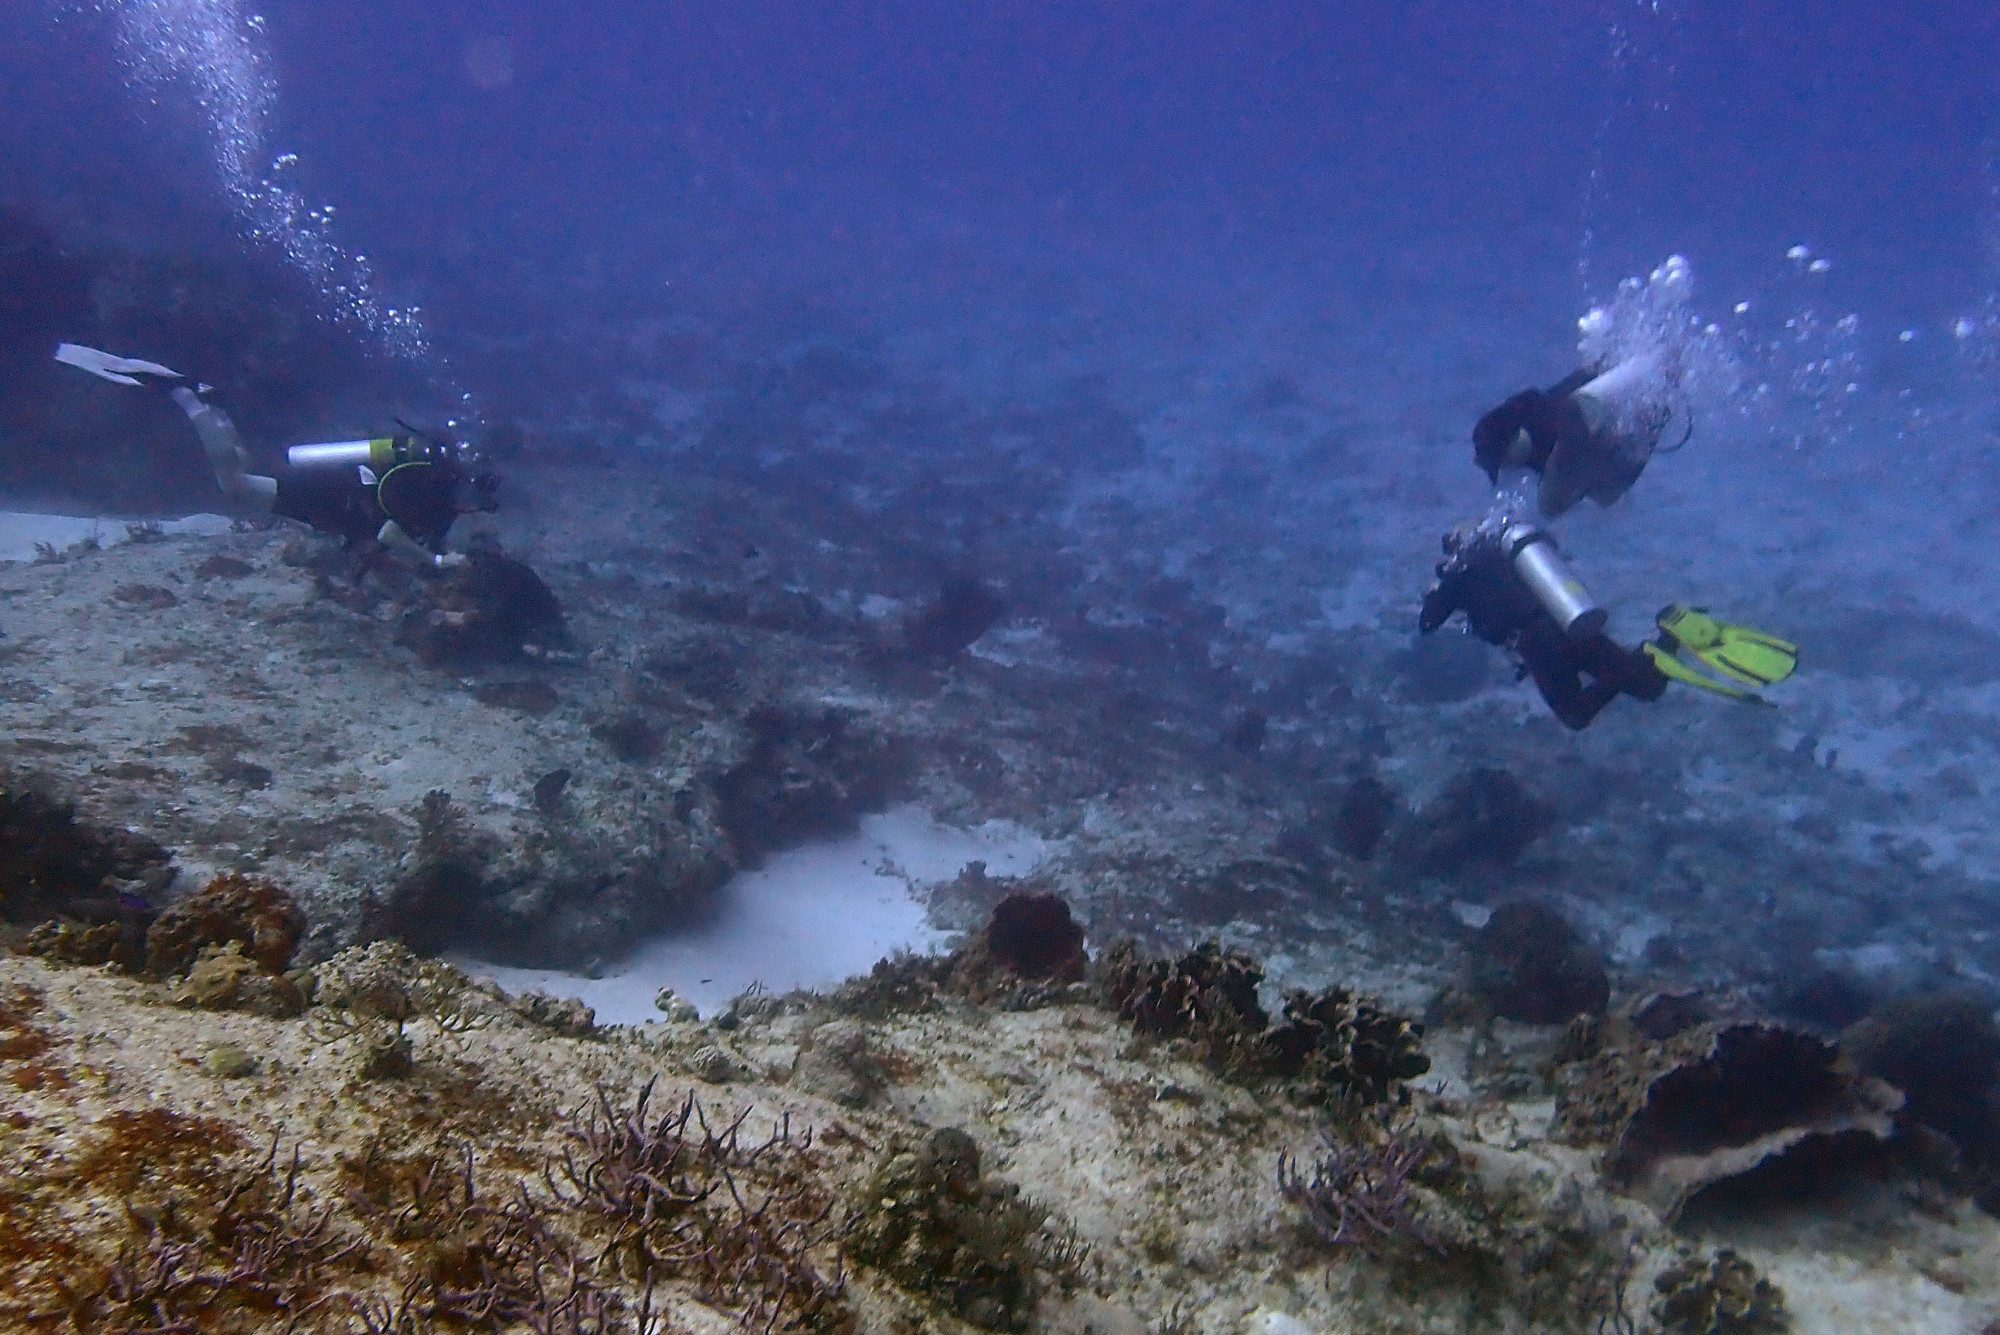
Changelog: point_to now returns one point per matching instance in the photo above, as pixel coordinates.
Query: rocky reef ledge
(1006, 1138)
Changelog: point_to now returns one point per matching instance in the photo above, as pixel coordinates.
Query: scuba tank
(378, 455)
(1532, 553)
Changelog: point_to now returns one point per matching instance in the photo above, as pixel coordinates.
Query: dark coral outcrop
(1331, 1047)
(256, 914)
(934, 1224)
(1529, 964)
(1715, 1104)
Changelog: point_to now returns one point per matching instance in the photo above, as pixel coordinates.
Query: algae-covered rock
(229, 1061)
(837, 1063)
(224, 979)
(52, 864)
(1722, 1296)
(255, 912)
(566, 1015)
(974, 1245)
(1333, 1046)
(1529, 964)
(211, 984)
(713, 1063)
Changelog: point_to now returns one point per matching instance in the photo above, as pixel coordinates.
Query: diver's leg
(1557, 676)
(1627, 670)
(226, 455)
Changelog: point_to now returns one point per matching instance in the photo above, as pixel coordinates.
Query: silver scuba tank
(1535, 559)
(379, 454)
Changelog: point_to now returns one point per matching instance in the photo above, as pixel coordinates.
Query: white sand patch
(809, 917)
(23, 535)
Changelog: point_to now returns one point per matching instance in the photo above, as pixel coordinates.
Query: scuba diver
(1589, 434)
(1517, 593)
(404, 492)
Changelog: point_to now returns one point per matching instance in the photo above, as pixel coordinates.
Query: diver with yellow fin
(1749, 658)
(1517, 593)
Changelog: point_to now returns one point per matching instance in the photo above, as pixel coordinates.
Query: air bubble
(214, 53)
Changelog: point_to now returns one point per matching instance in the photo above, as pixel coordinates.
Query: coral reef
(442, 883)
(1361, 817)
(490, 610)
(223, 978)
(370, 994)
(1942, 1050)
(1663, 1015)
(468, 1260)
(255, 913)
(1029, 950)
(564, 1015)
(948, 625)
(838, 1063)
(805, 773)
(1208, 996)
(1721, 1296)
(251, 1255)
(55, 867)
(935, 1225)
(1035, 936)
(1529, 964)
(1339, 1046)
(677, 1197)
(1714, 1104)
(1332, 1047)
(1359, 1193)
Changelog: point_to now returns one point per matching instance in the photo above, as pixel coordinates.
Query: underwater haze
(1477, 519)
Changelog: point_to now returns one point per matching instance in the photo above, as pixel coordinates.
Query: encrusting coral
(935, 1225)
(1333, 1047)
(1722, 1296)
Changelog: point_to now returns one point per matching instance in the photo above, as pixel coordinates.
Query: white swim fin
(123, 370)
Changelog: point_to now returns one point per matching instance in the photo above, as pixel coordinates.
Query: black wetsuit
(420, 496)
(1479, 580)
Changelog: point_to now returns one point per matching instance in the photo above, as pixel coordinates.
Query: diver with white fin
(404, 492)
(1518, 594)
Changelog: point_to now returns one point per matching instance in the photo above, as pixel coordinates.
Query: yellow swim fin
(1741, 653)
(1669, 666)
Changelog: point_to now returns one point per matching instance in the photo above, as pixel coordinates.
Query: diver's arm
(1440, 601)
(414, 553)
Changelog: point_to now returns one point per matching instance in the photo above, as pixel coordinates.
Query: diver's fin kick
(123, 370)
(227, 458)
(1747, 657)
